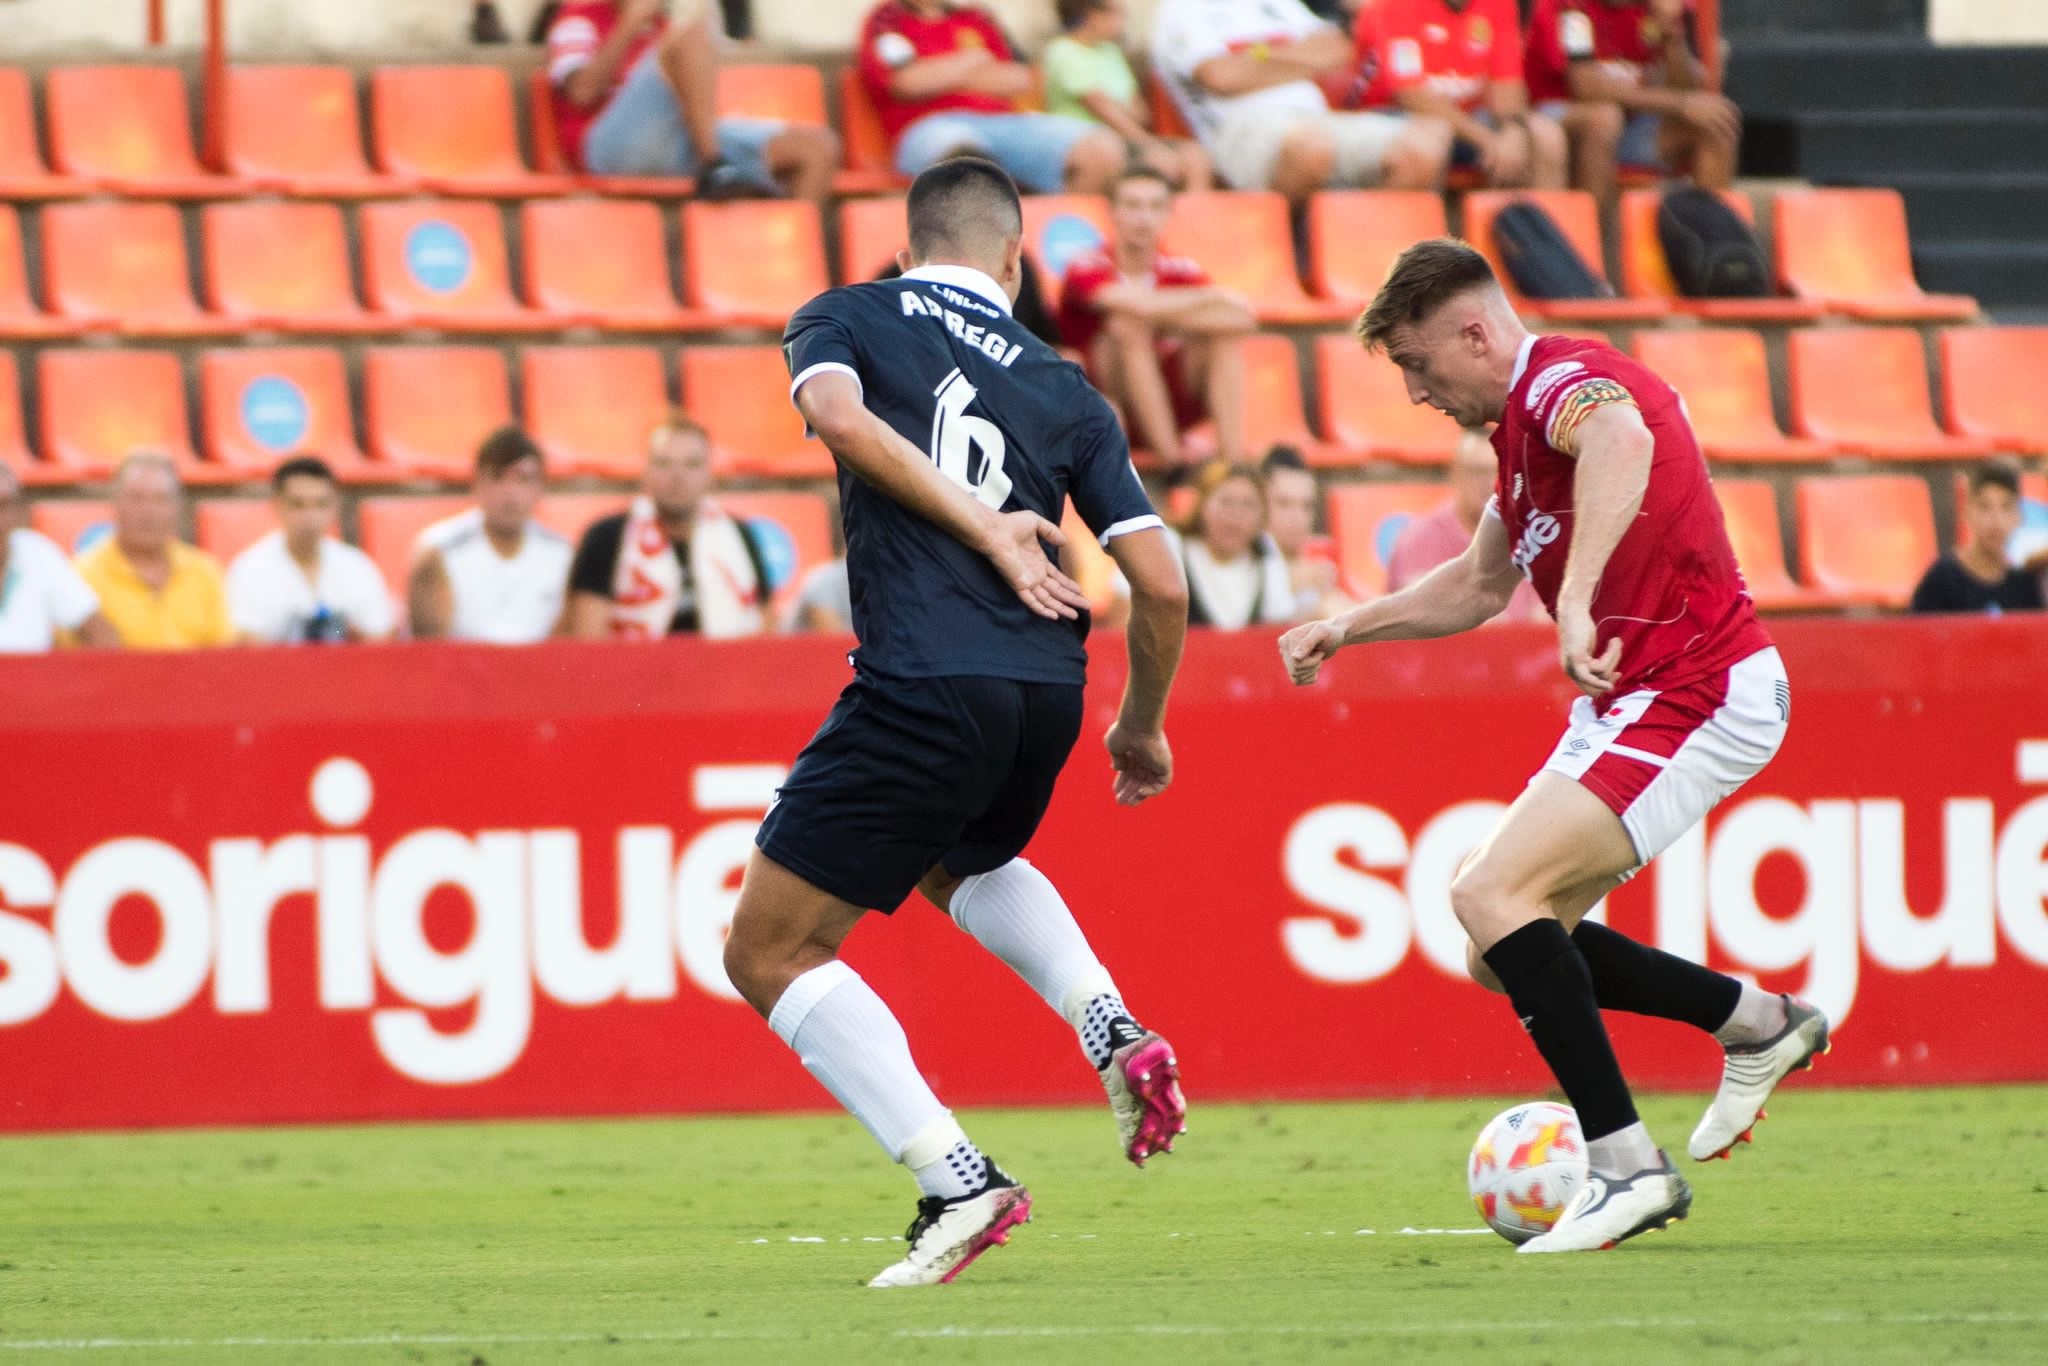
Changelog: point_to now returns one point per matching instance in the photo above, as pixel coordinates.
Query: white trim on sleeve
(811, 372)
(1130, 524)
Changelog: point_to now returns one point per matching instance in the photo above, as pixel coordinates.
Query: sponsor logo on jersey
(1547, 380)
(1540, 532)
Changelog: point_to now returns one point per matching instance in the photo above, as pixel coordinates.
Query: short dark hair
(1283, 457)
(1424, 278)
(300, 467)
(505, 448)
(1999, 474)
(957, 205)
(1139, 170)
(1073, 12)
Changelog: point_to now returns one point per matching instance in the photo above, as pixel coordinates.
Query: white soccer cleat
(948, 1234)
(1750, 1072)
(1609, 1210)
(1143, 1082)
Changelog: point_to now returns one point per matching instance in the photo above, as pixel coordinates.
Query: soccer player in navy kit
(959, 438)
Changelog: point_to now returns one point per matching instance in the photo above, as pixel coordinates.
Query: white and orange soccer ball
(1525, 1168)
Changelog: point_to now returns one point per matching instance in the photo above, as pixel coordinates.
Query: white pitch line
(1433, 1328)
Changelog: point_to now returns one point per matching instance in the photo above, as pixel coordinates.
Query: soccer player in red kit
(1603, 504)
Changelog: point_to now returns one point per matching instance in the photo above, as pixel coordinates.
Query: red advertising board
(303, 885)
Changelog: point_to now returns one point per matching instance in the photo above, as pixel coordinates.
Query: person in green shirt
(1088, 76)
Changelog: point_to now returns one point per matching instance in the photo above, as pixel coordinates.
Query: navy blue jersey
(940, 359)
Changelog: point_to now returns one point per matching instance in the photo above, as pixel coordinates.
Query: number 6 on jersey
(954, 437)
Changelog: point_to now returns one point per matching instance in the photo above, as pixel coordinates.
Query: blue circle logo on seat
(439, 257)
(1065, 237)
(1389, 531)
(778, 550)
(275, 413)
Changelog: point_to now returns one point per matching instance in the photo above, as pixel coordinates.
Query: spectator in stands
(824, 600)
(300, 583)
(1088, 76)
(157, 592)
(946, 80)
(635, 93)
(40, 593)
(1291, 497)
(1237, 577)
(1622, 78)
(1459, 61)
(1160, 341)
(1427, 542)
(1245, 74)
(1976, 577)
(674, 564)
(492, 573)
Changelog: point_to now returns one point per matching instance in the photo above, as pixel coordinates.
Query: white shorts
(1248, 145)
(1663, 760)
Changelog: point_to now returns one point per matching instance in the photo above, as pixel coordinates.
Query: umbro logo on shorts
(1782, 692)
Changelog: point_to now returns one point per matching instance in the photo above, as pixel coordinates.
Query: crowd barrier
(395, 883)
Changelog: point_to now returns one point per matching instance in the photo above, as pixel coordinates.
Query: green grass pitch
(1907, 1226)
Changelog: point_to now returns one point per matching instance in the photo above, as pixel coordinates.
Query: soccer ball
(1525, 1168)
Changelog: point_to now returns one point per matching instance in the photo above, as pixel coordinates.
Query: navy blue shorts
(908, 774)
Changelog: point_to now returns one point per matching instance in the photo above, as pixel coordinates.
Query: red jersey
(1565, 31)
(579, 29)
(895, 35)
(1092, 271)
(1456, 52)
(1671, 591)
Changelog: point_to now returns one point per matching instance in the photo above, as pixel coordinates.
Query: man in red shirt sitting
(1622, 78)
(946, 81)
(1459, 61)
(1159, 339)
(635, 85)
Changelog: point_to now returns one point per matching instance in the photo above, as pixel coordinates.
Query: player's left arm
(1613, 448)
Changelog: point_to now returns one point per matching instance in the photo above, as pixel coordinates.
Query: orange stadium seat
(601, 259)
(1726, 383)
(1749, 507)
(1354, 236)
(1087, 562)
(1866, 538)
(427, 409)
(262, 405)
(386, 528)
(87, 435)
(860, 126)
(1992, 385)
(591, 408)
(452, 129)
(1242, 239)
(741, 395)
(1274, 412)
(225, 527)
(14, 451)
(74, 524)
(1579, 220)
(1865, 390)
(1848, 249)
(571, 514)
(1645, 274)
(1362, 405)
(282, 267)
(127, 128)
(20, 319)
(22, 172)
(2033, 489)
(1057, 228)
(794, 531)
(122, 265)
(441, 264)
(753, 263)
(1366, 519)
(871, 232)
(793, 94)
(296, 130)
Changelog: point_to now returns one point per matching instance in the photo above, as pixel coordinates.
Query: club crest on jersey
(1540, 532)
(1546, 381)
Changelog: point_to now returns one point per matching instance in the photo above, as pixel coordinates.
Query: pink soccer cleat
(949, 1234)
(1143, 1082)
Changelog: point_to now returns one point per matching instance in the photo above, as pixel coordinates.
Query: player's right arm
(1154, 636)
(1455, 596)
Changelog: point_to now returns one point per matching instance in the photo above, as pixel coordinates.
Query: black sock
(1645, 981)
(1552, 991)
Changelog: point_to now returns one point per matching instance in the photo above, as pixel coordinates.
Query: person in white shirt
(300, 583)
(40, 593)
(493, 573)
(1245, 72)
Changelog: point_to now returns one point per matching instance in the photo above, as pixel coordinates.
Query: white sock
(849, 1040)
(960, 1170)
(1623, 1152)
(1018, 915)
(1758, 1015)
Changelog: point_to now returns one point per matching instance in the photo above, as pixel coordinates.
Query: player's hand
(1711, 113)
(1016, 547)
(1577, 639)
(1305, 648)
(1143, 763)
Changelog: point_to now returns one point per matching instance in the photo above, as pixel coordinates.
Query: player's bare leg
(782, 956)
(1018, 915)
(1555, 838)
